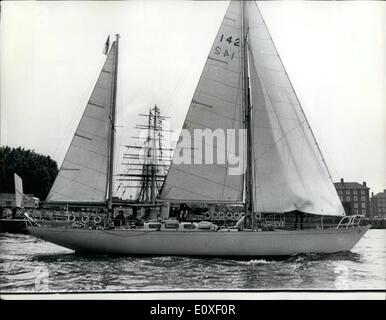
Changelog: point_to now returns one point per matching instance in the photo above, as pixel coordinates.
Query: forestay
(83, 174)
(216, 104)
(289, 170)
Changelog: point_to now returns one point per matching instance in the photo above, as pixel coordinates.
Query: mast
(112, 126)
(154, 159)
(247, 112)
(147, 171)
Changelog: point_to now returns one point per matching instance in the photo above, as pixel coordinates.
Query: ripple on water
(22, 256)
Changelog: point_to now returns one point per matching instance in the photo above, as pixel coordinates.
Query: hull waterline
(140, 242)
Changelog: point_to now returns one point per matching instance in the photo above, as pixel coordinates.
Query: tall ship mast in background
(146, 163)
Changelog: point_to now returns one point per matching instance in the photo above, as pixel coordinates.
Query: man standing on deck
(299, 216)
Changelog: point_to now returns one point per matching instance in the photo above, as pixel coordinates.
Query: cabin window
(154, 226)
(189, 226)
(171, 225)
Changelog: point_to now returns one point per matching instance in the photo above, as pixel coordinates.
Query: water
(29, 265)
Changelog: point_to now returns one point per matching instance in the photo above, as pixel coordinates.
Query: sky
(51, 55)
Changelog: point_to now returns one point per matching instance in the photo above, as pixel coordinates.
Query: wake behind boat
(244, 98)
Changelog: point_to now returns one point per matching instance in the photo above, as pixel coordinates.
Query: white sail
(84, 171)
(216, 103)
(18, 191)
(289, 170)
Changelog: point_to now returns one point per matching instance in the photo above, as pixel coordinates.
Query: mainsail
(289, 172)
(289, 169)
(216, 104)
(83, 176)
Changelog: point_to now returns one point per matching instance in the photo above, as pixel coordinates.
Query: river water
(31, 265)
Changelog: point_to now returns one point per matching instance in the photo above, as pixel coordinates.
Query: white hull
(140, 242)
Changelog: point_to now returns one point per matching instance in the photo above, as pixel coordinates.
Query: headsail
(216, 104)
(84, 171)
(289, 170)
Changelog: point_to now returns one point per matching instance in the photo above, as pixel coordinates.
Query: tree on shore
(37, 171)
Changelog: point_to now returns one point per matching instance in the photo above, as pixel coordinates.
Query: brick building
(354, 196)
(378, 204)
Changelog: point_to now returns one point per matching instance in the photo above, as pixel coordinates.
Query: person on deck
(298, 216)
(181, 212)
(184, 211)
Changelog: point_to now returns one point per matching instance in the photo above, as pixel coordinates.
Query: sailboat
(243, 86)
(13, 222)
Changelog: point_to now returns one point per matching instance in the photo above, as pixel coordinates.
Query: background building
(378, 204)
(354, 196)
(8, 200)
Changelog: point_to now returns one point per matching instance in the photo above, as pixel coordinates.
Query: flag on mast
(107, 45)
